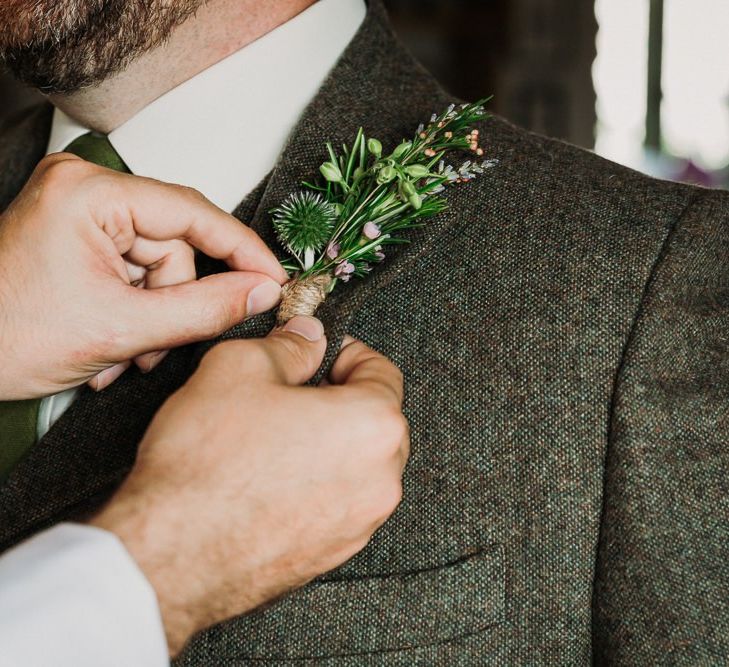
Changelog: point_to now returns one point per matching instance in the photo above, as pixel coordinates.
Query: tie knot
(96, 147)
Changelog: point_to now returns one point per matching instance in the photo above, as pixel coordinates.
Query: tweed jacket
(563, 332)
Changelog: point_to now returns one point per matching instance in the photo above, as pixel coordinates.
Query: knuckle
(355, 348)
(364, 353)
(217, 315)
(227, 364)
(188, 192)
(389, 500)
(392, 428)
(104, 343)
(405, 444)
(350, 548)
(239, 361)
(57, 173)
(361, 543)
(224, 353)
(54, 159)
(47, 162)
(353, 353)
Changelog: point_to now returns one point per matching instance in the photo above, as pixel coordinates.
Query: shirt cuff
(73, 596)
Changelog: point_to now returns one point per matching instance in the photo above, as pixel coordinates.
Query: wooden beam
(655, 70)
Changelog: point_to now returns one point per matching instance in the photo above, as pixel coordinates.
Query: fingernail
(306, 327)
(263, 297)
(110, 375)
(155, 360)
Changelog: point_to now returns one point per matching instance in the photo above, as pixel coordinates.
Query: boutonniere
(336, 229)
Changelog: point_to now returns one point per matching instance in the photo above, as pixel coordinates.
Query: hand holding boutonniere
(338, 229)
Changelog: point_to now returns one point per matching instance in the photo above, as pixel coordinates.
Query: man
(560, 329)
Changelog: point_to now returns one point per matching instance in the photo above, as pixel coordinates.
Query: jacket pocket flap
(372, 614)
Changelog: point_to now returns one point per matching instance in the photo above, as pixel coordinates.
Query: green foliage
(394, 192)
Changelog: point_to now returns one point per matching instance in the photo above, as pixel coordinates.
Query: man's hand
(248, 485)
(75, 247)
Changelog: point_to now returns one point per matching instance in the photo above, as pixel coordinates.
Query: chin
(61, 46)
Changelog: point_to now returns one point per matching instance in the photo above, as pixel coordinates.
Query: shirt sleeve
(73, 596)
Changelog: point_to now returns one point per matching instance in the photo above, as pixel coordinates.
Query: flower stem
(302, 296)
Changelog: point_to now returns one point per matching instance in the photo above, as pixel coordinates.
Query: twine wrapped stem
(303, 297)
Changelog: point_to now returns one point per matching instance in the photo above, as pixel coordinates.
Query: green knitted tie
(97, 148)
(19, 419)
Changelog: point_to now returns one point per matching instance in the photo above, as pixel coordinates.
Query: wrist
(150, 542)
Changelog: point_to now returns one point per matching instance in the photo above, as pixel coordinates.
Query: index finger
(358, 364)
(163, 212)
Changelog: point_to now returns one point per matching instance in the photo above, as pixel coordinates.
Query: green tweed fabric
(562, 329)
(19, 419)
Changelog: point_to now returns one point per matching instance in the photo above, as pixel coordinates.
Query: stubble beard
(62, 46)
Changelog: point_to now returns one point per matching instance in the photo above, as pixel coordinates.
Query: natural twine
(303, 297)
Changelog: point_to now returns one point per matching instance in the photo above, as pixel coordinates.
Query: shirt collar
(223, 130)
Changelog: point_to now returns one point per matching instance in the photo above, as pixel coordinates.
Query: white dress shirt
(72, 596)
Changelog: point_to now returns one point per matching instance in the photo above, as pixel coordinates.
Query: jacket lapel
(22, 146)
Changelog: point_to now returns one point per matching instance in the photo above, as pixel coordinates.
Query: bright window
(695, 112)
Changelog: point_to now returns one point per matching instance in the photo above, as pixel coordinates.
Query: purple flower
(371, 231)
(344, 271)
(380, 255)
(333, 250)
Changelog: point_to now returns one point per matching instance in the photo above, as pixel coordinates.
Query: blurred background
(642, 82)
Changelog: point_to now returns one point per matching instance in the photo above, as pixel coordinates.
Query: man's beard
(61, 46)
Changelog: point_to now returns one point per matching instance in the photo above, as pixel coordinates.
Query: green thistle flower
(304, 224)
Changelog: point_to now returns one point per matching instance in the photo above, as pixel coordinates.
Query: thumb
(291, 354)
(171, 316)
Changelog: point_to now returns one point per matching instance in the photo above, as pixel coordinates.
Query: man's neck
(219, 28)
